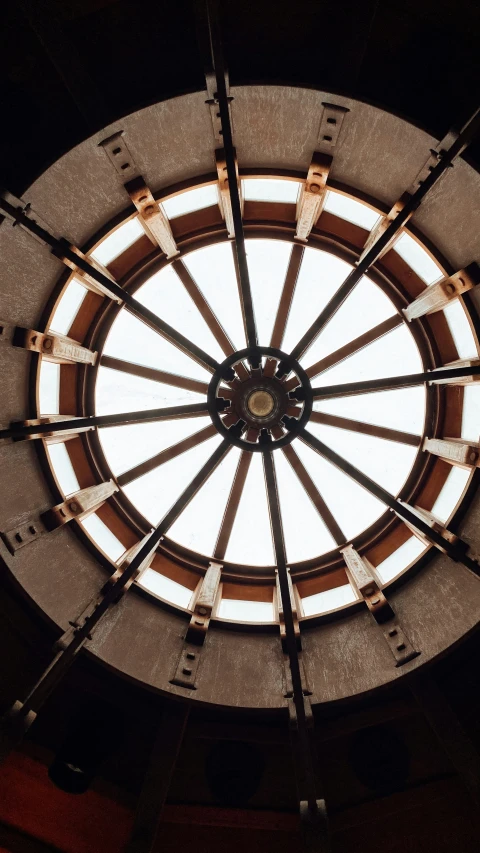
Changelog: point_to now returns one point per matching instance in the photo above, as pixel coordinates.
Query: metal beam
(368, 385)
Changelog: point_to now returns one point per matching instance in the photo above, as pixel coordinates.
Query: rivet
(450, 288)
(47, 344)
(369, 591)
(149, 208)
(202, 611)
(375, 601)
(473, 456)
(199, 622)
(314, 188)
(73, 507)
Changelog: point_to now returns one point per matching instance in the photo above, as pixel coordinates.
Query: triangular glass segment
(116, 391)
(386, 462)
(305, 533)
(214, 272)
(165, 295)
(365, 308)
(267, 266)
(403, 408)
(132, 340)
(395, 354)
(320, 276)
(127, 446)
(351, 505)
(251, 539)
(198, 525)
(156, 492)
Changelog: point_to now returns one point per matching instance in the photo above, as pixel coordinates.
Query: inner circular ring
(260, 403)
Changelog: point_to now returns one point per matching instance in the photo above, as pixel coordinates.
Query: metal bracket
(57, 348)
(331, 124)
(187, 666)
(25, 208)
(434, 157)
(438, 295)
(381, 226)
(120, 156)
(24, 533)
(152, 217)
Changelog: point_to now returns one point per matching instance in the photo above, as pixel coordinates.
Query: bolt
(73, 507)
(401, 647)
(186, 670)
(149, 208)
(202, 611)
(47, 344)
(314, 188)
(191, 655)
(392, 632)
(473, 456)
(375, 601)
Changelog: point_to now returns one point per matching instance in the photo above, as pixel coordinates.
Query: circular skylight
(154, 462)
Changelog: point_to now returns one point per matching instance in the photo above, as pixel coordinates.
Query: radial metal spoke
(18, 431)
(445, 159)
(170, 334)
(366, 429)
(196, 484)
(154, 374)
(354, 346)
(314, 495)
(453, 550)
(308, 782)
(240, 255)
(204, 308)
(286, 298)
(365, 387)
(165, 455)
(232, 505)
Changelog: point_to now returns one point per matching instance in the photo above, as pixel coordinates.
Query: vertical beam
(381, 226)
(437, 296)
(312, 195)
(152, 217)
(225, 201)
(145, 832)
(187, 666)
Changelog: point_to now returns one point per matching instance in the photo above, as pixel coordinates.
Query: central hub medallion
(260, 404)
(259, 398)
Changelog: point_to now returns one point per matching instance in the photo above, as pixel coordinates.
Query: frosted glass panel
(103, 537)
(471, 412)
(60, 461)
(67, 309)
(450, 494)
(403, 409)
(116, 243)
(260, 189)
(246, 611)
(418, 259)
(165, 588)
(190, 200)
(49, 388)
(322, 602)
(400, 559)
(460, 329)
(353, 211)
(251, 540)
(267, 265)
(116, 392)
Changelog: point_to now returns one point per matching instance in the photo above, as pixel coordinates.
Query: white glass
(190, 200)
(251, 541)
(402, 409)
(331, 599)
(103, 537)
(350, 209)
(116, 243)
(451, 493)
(246, 611)
(460, 328)
(397, 562)
(263, 189)
(165, 588)
(267, 265)
(471, 412)
(49, 388)
(64, 471)
(67, 308)
(418, 259)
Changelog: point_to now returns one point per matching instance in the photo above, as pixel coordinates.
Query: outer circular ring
(254, 352)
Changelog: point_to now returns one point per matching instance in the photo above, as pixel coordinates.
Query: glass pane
(387, 463)
(67, 308)
(418, 259)
(393, 355)
(64, 472)
(126, 446)
(121, 392)
(103, 537)
(262, 189)
(131, 340)
(365, 308)
(116, 243)
(471, 412)
(166, 296)
(305, 533)
(403, 409)
(251, 540)
(353, 507)
(451, 493)
(353, 211)
(156, 492)
(320, 276)
(214, 271)
(198, 526)
(246, 611)
(49, 388)
(190, 200)
(460, 329)
(323, 602)
(400, 559)
(165, 588)
(267, 265)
